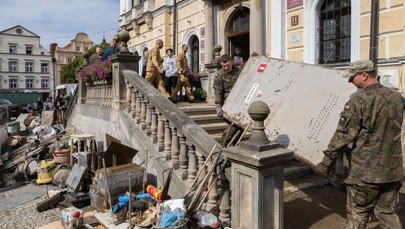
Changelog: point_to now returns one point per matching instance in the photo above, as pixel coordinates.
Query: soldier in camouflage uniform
(372, 121)
(154, 68)
(225, 78)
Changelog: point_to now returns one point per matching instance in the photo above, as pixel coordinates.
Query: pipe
(175, 26)
(374, 32)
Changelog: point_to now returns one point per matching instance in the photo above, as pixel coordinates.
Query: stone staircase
(205, 115)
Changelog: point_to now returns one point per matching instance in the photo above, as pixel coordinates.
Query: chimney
(52, 49)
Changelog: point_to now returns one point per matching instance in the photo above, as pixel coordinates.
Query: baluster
(192, 163)
(128, 107)
(201, 161)
(154, 125)
(225, 205)
(143, 113)
(212, 203)
(183, 157)
(168, 140)
(160, 133)
(148, 118)
(138, 107)
(133, 102)
(175, 149)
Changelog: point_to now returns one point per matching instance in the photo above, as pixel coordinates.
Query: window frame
(29, 83)
(44, 66)
(45, 81)
(29, 50)
(341, 51)
(12, 48)
(12, 82)
(29, 66)
(12, 66)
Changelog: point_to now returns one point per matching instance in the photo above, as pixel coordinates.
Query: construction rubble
(92, 188)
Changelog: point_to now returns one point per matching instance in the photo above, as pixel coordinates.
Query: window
(78, 49)
(13, 83)
(13, 48)
(44, 83)
(86, 48)
(12, 66)
(29, 67)
(28, 50)
(44, 67)
(29, 83)
(334, 31)
(194, 54)
(69, 59)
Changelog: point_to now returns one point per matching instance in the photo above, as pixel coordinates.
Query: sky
(58, 21)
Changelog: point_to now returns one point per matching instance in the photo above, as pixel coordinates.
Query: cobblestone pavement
(23, 214)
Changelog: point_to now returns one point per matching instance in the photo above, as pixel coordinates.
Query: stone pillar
(209, 30)
(257, 177)
(256, 27)
(120, 61)
(212, 68)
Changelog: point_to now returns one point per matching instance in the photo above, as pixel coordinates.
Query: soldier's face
(227, 66)
(357, 80)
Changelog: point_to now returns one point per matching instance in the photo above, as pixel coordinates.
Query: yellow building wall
(295, 34)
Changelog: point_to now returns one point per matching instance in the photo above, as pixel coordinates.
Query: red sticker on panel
(261, 68)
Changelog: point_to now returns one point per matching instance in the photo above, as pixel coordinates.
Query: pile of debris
(108, 181)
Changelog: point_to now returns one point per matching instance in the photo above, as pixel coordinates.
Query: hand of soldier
(219, 111)
(323, 169)
(161, 70)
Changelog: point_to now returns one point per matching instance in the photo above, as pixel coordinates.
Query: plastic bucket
(13, 128)
(61, 156)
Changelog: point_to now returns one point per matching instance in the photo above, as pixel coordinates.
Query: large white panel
(304, 100)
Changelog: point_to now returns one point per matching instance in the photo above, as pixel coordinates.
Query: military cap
(359, 66)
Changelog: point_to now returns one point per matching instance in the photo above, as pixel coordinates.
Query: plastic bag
(205, 219)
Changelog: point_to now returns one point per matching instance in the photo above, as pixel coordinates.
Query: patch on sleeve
(347, 107)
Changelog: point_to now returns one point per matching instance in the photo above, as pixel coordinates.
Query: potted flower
(98, 70)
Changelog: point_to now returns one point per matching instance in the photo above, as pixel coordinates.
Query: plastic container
(61, 156)
(154, 191)
(205, 219)
(13, 128)
(72, 218)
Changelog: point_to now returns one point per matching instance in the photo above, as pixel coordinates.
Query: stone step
(197, 109)
(214, 128)
(296, 169)
(206, 118)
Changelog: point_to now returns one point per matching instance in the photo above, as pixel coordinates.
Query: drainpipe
(374, 32)
(175, 26)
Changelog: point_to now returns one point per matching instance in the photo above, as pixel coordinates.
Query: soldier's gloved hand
(323, 169)
(325, 166)
(219, 111)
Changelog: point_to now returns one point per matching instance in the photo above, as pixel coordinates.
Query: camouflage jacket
(154, 60)
(223, 84)
(182, 64)
(372, 121)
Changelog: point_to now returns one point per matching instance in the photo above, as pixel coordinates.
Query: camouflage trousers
(383, 199)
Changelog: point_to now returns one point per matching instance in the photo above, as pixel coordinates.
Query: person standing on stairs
(154, 68)
(225, 78)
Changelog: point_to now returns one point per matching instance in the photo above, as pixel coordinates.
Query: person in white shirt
(170, 69)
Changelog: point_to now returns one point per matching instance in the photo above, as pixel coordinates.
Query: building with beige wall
(24, 64)
(64, 55)
(326, 32)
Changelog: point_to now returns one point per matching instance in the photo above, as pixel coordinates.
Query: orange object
(154, 191)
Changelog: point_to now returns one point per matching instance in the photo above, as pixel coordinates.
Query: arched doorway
(194, 52)
(237, 32)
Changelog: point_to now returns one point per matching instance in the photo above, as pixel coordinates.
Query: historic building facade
(64, 55)
(326, 32)
(24, 63)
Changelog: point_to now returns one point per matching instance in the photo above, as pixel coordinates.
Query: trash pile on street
(35, 149)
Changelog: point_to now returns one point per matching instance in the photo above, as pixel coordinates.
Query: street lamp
(54, 78)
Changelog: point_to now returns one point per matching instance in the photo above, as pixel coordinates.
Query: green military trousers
(364, 198)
